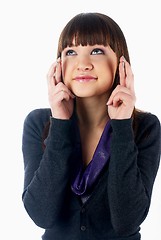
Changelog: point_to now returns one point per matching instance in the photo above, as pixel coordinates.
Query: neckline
(85, 178)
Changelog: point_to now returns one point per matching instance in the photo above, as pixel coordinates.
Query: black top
(121, 198)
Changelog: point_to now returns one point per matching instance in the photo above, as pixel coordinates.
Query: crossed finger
(54, 73)
(126, 74)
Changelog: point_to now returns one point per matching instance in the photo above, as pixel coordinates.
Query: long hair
(96, 28)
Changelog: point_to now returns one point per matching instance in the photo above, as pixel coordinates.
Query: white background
(29, 32)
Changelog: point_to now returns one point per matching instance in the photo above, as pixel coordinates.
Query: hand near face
(122, 100)
(60, 97)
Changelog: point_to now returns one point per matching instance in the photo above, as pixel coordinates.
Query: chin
(84, 95)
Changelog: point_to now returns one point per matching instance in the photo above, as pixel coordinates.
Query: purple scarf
(85, 179)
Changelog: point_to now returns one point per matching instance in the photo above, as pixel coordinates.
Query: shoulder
(39, 115)
(147, 119)
(37, 119)
(147, 126)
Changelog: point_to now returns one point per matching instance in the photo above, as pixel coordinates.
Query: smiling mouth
(83, 79)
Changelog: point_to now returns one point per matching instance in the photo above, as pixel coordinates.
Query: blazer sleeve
(46, 171)
(132, 170)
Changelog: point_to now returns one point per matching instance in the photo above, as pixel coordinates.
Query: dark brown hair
(95, 28)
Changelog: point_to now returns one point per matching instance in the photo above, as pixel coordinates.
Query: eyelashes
(95, 51)
(70, 53)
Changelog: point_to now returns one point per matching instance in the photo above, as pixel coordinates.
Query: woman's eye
(97, 51)
(70, 53)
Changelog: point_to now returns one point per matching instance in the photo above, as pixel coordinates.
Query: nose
(84, 64)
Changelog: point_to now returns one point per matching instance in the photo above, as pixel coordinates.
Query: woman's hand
(121, 103)
(60, 97)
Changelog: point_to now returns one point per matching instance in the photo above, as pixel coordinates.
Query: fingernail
(123, 58)
(123, 61)
(58, 60)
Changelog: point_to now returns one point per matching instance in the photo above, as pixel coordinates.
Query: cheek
(67, 70)
(63, 67)
(114, 65)
(111, 68)
(64, 70)
(65, 76)
(106, 71)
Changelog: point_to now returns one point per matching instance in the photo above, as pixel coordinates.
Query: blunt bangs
(89, 29)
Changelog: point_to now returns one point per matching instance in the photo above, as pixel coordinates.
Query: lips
(85, 78)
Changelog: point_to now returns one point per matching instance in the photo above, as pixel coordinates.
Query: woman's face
(88, 70)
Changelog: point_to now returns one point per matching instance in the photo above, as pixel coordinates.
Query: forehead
(86, 38)
(76, 43)
(85, 30)
(92, 29)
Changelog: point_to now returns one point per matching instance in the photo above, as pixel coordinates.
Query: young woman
(91, 158)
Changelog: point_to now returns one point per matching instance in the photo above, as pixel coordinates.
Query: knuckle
(60, 85)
